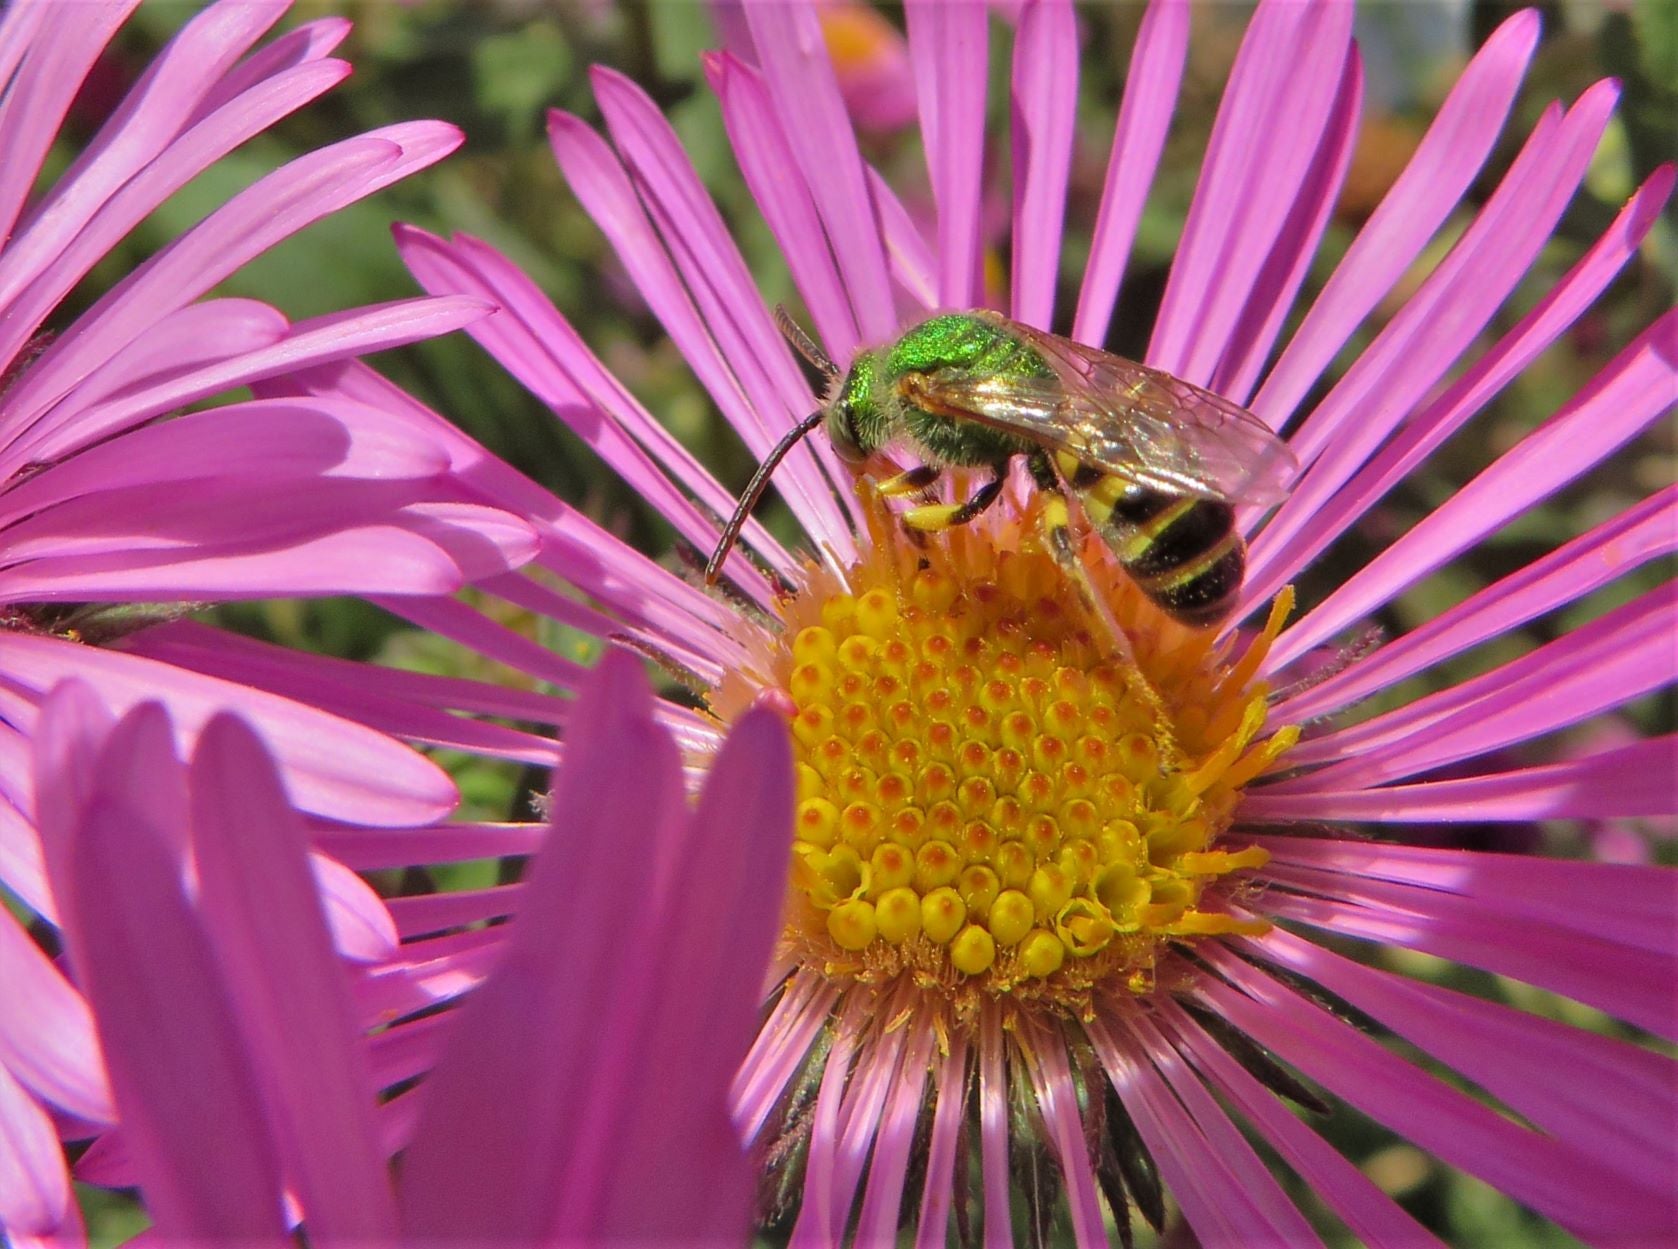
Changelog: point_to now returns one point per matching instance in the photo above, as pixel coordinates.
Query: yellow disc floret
(994, 797)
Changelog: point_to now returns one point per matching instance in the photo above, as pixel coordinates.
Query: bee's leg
(934, 516)
(1055, 521)
(910, 481)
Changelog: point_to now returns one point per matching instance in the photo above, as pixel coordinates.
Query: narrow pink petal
(262, 909)
(356, 917)
(373, 850)
(1622, 654)
(1626, 782)
(67, 734)
(950, 1078)
(993, 1130)
(820, 1220)
(332, 767)
(1626, 903)
(188, 1098)
(437, 912)
(1635, 390)
(948, 47)
(1641, 533)
(1150, 98)
(1278, 282)
(1472, 931)
(51, 1047)
(302, 46)
(1584, 1194)
(723, 892)
(491, 639)
(49, 50)
(800, 77)
(782, 1042)
(34, 1186)
(1444, 165)
(1284, 83)
(553, 988)
(1214, 1205)
(766, 160)
(1427, 430)
(907, 254)
(1045, 102)
(882, 1199)
(1373, 1217)
(727, 298)
(1618, 1101)
(1057, 1101)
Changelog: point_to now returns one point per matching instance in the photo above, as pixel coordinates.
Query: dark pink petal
(184, 1086)
(1641, 533)
(1439, 173)
(1278, 282)
(800, 79)
(1427, 430)
(1619, 403)
(332, 767)
(554, 987)
(1582, 1193)
(1625, 903)
(993, 1130)
(34, 1187)
(1563, 958)
(779, 1048)
(950, 1076)
(1620, 655)
(261, 908)
(824, 1203)
(51, 1047)
(1625, 782)
(1618, 1101)
(46, 51)
(1057, 1101)
(1284, 82)
(1045, 101)
(766, 161)
(948, 47)
(1150, 97)
(723, 892)
(1373, 1217)
(882, 1199)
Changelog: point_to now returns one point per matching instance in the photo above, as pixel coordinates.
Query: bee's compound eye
(841, 432)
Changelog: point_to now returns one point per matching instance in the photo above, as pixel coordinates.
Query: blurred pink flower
(234, 1036)
(1062, 967)
(110, 497)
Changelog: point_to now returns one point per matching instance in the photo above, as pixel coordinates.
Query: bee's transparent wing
(1126, 418)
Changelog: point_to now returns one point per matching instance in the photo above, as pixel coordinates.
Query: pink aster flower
(1057, 914)
(110, 496)
(234, 1031)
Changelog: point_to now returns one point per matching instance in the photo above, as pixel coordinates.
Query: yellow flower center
(992, 797)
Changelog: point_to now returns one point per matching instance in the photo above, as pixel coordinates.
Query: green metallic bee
(1157, 464)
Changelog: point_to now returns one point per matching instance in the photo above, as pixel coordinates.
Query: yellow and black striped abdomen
(1184, 553)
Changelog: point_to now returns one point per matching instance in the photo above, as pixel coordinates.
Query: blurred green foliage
(493, 66)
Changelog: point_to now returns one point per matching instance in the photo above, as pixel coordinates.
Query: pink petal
(183, 1082)
(1057, 1101)
(1623, 783)
(1641, 533)
(1045, 102)
(781, 1044)
(1150, 97)
(801, 82)
(948, 47)
(824, 1202)
(766, 161)
(261, 907)
(302, 46)
(356, 917)
(907, 255)
(554, 987)
(1284, 83)
(993, 1130)
(1443, 167)
(950, 1075)
(1584, 1194)
(333, 767)
(34, 1187)
(51, 1047)
(882, 1200)
(1373, 1217)
(1623, 400)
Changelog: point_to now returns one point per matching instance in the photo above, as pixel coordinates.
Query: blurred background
(494, 66)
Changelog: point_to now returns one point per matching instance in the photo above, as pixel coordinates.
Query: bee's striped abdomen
(1183, 553)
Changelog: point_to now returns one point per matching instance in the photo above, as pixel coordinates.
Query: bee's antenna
(754, 491)
(805, 345)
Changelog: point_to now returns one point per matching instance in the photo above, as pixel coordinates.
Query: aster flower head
(1062, 863)
(116, 495)
(196, 927)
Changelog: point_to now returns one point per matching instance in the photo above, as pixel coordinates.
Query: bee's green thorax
(967, 343)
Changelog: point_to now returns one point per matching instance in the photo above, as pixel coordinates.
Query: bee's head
(850, 414)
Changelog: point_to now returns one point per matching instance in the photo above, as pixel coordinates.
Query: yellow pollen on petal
(992, 797)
